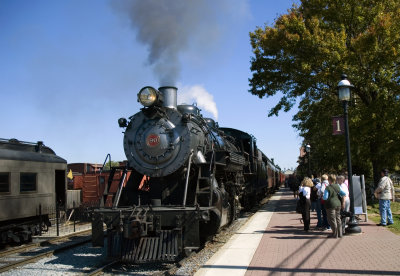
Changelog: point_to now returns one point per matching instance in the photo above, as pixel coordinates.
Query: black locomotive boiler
(188, 179)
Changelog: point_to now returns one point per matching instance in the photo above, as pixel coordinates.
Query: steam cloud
(169, 27)
(198, 94)
(166, 27)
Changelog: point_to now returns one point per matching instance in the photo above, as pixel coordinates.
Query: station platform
(273, 242)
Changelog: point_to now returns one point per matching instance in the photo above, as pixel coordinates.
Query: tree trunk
(376, 171)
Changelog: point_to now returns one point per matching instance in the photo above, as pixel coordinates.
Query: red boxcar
(92, 183)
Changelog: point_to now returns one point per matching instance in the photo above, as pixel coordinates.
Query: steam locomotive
(188, 178)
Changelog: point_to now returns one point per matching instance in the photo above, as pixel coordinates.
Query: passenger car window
(28, 182)
(4, 182)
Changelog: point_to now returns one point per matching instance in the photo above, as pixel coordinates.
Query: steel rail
(39, 256)
(42, 243)
(100, 270)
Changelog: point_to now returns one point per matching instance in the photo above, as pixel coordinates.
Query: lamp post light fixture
(344, 87)
(308, 150)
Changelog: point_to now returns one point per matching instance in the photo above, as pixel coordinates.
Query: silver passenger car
(32, 181)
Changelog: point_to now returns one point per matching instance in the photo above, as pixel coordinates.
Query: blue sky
(70, 69)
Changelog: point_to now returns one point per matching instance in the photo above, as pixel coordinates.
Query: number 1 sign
(338, 125)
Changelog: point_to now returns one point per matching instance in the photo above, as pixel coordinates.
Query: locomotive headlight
(148, 96)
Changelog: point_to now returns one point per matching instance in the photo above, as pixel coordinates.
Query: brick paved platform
(273, 242)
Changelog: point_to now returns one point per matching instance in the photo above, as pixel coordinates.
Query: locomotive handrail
(202, 122)
(211, 161)
(211, 173)
(105, 161)
(187, 179)
(121, 185)
(105, 192)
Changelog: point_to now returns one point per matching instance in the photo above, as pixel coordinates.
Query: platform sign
(360, 198)
(337, 125)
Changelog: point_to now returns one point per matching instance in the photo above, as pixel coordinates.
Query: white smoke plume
(198, 94)
(166, 27)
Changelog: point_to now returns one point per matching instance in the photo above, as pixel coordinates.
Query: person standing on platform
(324, 184)
(345, 201)
(346, 179)
(294, 185)
(317, 190)
(385, 193)
(314, 195)
(333, 205)
(304, 194)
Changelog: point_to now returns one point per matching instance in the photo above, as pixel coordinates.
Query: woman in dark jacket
(333, 204)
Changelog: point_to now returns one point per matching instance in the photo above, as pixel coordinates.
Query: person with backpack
(316, 200)
(333, 196)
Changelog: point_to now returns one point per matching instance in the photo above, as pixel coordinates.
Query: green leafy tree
(113, 164)
(302, 58)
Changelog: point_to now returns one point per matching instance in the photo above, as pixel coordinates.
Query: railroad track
(26, 247)
(75, 263)
(22, 255)
(187, 263)
(118, 267)
(98, 271)
(167, 269)
(154, 269)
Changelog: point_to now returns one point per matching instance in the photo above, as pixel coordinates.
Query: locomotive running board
(151, 249)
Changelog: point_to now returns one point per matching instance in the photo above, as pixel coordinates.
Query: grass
(373, 214)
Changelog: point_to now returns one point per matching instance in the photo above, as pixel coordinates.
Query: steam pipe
(187, 179)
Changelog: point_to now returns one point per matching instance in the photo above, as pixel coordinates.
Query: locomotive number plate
(153, 140)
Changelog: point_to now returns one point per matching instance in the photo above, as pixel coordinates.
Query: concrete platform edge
(239, 250)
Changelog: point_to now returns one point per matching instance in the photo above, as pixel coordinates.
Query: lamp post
(345, 95)
(308, 150)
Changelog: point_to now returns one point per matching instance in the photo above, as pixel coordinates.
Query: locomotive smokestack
(170, 95)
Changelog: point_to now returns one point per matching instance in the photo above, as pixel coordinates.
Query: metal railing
(63, 222)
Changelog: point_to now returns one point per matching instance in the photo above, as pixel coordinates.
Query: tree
(113, 164)
(303, 56)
